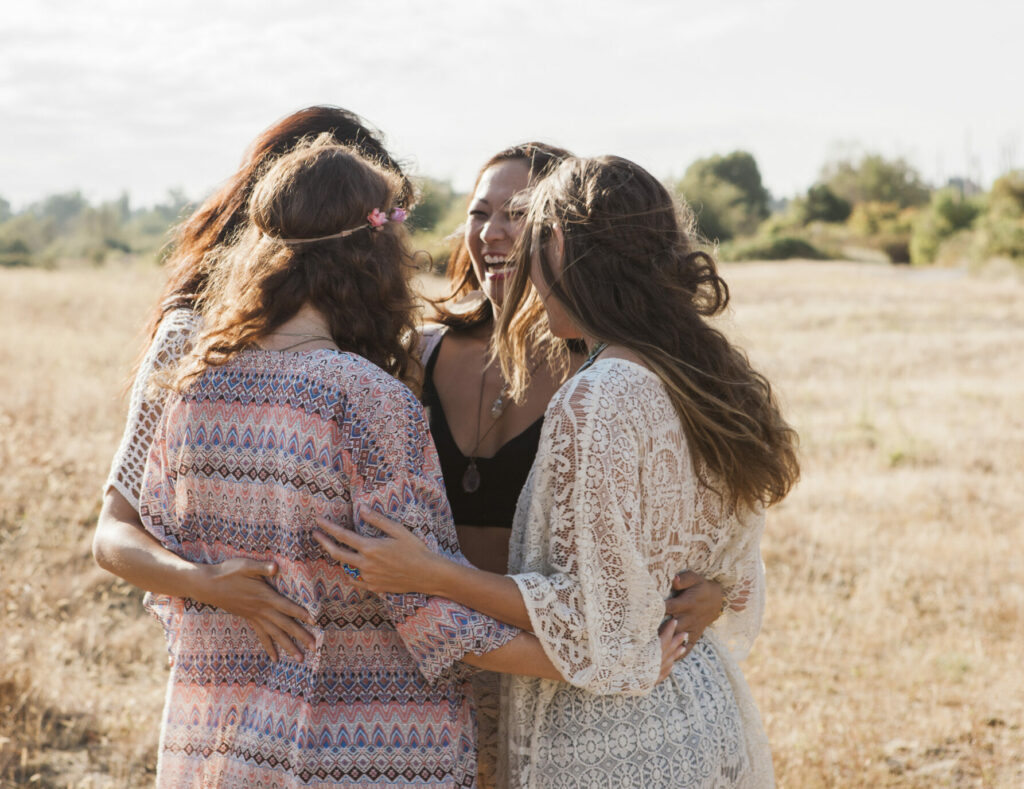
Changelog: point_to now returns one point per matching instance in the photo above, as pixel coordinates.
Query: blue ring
(352, 572)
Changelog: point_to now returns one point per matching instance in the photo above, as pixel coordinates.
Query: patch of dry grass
(891, 649)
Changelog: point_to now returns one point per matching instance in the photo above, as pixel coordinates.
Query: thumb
(685, 580)
(267, 569)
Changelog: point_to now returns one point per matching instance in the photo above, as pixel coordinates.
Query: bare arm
(402, 563)
(123, 547)
(524, 655)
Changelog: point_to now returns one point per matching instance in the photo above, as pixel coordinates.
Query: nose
(494, 229)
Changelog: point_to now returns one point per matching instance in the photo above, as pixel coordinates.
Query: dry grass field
(892, 648)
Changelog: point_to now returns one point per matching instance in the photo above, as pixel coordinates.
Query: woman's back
(242, 464)
(612, 510)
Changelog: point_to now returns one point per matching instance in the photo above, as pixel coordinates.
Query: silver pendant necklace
(471, 476)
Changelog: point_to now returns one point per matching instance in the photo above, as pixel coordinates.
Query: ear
(557, 246)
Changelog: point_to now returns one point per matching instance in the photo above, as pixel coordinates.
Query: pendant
(498, 406)
(471, 479)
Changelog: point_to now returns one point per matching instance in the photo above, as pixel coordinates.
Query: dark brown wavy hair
(462, 280)
(632, 275)
(360, 283)
(221, 215)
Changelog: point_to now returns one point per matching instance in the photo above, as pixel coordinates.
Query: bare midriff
(486, 547)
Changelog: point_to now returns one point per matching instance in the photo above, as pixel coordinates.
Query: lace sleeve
(172, 341)
(595, 607)
(399, 475)
(742, 578)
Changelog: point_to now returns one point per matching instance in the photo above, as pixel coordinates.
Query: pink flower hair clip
(378, 218)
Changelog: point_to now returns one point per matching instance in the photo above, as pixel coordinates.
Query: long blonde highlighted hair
(633, 275)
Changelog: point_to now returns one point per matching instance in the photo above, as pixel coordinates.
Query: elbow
(102, 550)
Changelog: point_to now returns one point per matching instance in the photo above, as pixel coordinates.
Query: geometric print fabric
(241, 465)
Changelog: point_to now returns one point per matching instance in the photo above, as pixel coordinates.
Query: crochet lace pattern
(611, 511)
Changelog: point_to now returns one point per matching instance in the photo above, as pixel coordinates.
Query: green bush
(1001, 227)
(884, 226)
(775, 248)
(947, 213)
(15, 253)
(821, 204)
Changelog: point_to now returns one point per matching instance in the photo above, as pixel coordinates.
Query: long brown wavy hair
(359, 283)
(221, 215)
(632, 275)
(462, 280)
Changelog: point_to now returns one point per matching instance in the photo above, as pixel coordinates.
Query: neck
(308, 320)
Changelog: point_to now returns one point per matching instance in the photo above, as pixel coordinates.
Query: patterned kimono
(239, 467)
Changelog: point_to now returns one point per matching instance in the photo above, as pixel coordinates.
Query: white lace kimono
(172, 341)
(611, 511)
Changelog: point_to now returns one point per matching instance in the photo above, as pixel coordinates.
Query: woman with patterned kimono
(120, 544)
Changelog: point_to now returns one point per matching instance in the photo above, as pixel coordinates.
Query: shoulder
(362, 381)
(179, 322)
(430, 335)
(175, 333)
(613, 387)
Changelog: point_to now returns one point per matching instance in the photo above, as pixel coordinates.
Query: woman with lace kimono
(661, 453)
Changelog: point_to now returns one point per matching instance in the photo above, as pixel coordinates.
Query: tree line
(866, 207)
(869, 207)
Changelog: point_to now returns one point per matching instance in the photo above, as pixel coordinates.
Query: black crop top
(501, 477)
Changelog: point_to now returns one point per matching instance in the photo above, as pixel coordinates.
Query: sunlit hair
(360, 283)
(462, 280)
(632, 275)
(220, 216)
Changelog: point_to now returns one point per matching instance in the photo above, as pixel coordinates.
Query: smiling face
(491, 230)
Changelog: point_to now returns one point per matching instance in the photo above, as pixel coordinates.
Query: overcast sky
(108, 96)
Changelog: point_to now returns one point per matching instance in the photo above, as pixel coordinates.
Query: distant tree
(726, 194)
(1001, 227)
(1007, 193)
(821, 204)
(123, 207)
(61, 209)
(5, 210)
(875, 179)
(435, 200)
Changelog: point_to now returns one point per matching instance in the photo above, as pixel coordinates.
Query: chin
(564, 332)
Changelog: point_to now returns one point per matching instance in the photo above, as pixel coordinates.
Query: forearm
(522, 655)
(496, 595)
(123, 547)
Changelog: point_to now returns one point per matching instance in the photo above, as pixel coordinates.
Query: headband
(375, 220)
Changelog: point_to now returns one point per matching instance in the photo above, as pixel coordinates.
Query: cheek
(472, 233)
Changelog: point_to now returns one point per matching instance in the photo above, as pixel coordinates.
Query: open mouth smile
(497, 266)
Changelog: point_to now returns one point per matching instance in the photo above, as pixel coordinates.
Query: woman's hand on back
(123, 547)
(398, 563)
(695, 603)
(239, 586)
